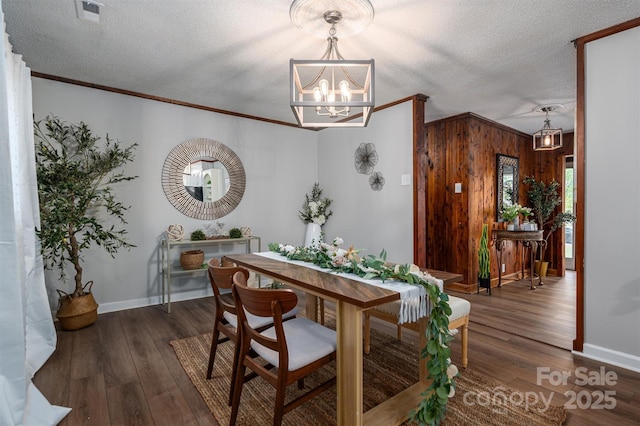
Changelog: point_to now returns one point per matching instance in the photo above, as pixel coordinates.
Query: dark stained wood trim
(608, 31)
(158, 99)
(479, 117)
(419, 182)
(375, 109)
(196, 106)
(421, 97)
(579, 141)
(578, 167)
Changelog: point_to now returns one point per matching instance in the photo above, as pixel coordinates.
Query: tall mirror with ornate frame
(203, 179)
(507, 173)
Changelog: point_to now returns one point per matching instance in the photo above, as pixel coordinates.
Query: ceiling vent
(89, 10)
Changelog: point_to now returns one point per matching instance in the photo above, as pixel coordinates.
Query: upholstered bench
(460, 309)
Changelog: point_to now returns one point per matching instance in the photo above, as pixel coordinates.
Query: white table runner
(413, 298)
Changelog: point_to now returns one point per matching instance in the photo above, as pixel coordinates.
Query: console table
(169, 269)
(529, 239)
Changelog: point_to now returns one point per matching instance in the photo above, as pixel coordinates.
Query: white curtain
(27, 334)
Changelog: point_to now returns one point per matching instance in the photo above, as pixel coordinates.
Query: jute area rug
(390, 367)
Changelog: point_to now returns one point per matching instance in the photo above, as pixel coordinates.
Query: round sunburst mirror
(203, 179)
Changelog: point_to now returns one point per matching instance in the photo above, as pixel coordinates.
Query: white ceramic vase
(312, 235)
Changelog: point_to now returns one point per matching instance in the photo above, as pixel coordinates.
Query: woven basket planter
(78, 312)
(192, 259)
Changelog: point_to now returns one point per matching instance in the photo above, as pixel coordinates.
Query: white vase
(516, 223)
(312, 235)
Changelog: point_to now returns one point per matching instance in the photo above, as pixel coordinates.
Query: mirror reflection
(507, 182)
(507, 186)
(206, 179)
(203, 179)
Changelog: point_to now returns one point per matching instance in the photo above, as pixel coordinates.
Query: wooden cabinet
(170, 255)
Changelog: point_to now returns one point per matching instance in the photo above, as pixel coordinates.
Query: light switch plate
(458, 187)
(405, 180)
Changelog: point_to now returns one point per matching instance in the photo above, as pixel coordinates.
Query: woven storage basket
(77, 312)
(192, 259)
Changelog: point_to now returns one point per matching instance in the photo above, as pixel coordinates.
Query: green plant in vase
(484, 261)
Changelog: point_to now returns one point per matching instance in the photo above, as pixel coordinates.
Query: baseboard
(461, 288)
(154, 300)
(619, 359)
(473, 288)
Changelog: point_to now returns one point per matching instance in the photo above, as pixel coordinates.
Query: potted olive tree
(75, 176)
(544, 199)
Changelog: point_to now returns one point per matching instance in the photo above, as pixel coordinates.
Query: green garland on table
(432, 408)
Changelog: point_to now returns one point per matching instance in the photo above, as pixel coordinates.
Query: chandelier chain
(332, 53)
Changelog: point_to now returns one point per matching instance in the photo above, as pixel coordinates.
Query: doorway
(569, 206)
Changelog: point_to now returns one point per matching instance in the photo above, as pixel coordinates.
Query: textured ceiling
(496, 58)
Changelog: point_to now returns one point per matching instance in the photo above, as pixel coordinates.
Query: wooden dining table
(351, 298)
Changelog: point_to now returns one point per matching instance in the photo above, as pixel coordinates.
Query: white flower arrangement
(526, 212)
(510, 212)
(315, 208)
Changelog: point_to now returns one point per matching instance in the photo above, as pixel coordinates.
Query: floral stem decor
(315, 208)
(432, 408)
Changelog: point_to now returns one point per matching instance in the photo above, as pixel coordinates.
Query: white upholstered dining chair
(459, 319)
(296, 347)
(225, 320)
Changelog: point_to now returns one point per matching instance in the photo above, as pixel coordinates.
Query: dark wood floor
(122, 371)
(546, 314)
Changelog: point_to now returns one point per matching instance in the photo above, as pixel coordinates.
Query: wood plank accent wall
(463, 149)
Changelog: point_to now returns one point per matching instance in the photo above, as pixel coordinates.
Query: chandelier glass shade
(332, 91)
(547, 138)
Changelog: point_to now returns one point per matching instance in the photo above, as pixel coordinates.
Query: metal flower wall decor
(365, 158)
(376, 181)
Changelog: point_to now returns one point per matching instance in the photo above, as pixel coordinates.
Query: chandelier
(331, 91)
(547, 138)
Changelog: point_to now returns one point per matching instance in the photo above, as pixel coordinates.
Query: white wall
(367, 219)
(280, 164)
(612, 199)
